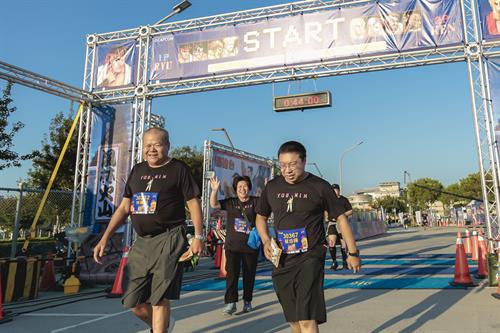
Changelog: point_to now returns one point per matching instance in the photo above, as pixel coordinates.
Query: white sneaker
(229, 309)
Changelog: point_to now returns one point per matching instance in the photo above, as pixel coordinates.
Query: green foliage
(421, 197)
(391, 203)
(451, 200)
(471, 186)
(52, 146)
(192, 157)
(8, 157)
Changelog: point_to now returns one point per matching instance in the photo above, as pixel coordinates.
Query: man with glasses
(298, 201)
(154, 198)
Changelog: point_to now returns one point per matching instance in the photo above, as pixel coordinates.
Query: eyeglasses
(154, 145)
(292, 166)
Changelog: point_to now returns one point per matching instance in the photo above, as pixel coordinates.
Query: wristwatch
(199, 237)
(355, 254)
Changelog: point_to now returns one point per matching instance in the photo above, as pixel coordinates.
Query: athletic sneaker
(247, 307)
(229, 309)
(334, 266)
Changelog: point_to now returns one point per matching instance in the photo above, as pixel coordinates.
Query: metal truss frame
(473, 51)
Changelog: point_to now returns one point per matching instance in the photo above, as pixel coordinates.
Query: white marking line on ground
(63, 315)
(90, 321)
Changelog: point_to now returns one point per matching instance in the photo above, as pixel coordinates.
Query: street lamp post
(406, 173)
(225, 133)
(175, 10)
(317, 169)
(342, 159)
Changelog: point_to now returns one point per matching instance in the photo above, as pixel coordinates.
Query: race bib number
(240, 225)
(144, 203)
(293, 241)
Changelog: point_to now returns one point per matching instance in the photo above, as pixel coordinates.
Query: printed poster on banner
(489, 13)
(116, 65)
(371, 29)
(227, 166)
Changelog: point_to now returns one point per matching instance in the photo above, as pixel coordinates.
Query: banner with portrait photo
(489, 13)
(493, 70)
(109, 161)
(227, 165)
(116, 65)
(380, 27)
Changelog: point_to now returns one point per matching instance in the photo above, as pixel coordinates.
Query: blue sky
(418, 119)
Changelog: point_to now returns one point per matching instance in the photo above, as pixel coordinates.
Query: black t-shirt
(157, 196)
(237, 226)
(299, 215)
(332, 225)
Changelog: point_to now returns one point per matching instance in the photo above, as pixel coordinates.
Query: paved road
(403, 287)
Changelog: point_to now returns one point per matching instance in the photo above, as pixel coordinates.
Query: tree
(192, 157)
(423, 192)
(390, 204)
(450, 199)
(9, 157)
(44, 164)
(471, 186)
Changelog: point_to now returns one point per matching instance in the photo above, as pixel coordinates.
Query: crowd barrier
(366, 229)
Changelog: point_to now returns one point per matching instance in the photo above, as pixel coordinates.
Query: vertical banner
(227, 165)
(109, 161)
(493, 70)
(116, 65)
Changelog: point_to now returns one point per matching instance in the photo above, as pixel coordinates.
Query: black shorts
(153, 271)
(300, 291)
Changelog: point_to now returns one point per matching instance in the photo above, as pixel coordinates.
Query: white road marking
(63, 315)
(90, 321)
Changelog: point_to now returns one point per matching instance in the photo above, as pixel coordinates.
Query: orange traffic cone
(117, 290)
(4, 317)
(467, 245)
(482, 266)
(474, 245)
(48, 281)
(222, 271)
(462, 273)
(497, 295)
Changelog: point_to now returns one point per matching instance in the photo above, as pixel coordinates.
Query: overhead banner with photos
(227, 165)
(381, 27)
(116, 65)
(109, 161)
(489, 12)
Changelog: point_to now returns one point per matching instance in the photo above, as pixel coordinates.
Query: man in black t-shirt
(334, 237)
(298, 201)
(154, 198)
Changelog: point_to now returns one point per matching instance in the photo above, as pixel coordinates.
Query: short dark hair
(238, 179)
(336, 186)
(164, 132)
(293, 147)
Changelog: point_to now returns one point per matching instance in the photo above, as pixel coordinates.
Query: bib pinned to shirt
(144, 203)
(241, 225)
(293, 241)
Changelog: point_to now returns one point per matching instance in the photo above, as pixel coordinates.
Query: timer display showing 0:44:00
(303, 101)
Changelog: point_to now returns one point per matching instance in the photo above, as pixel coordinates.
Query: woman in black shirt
(240, 221)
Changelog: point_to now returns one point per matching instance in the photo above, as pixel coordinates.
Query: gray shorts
(153, 271)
